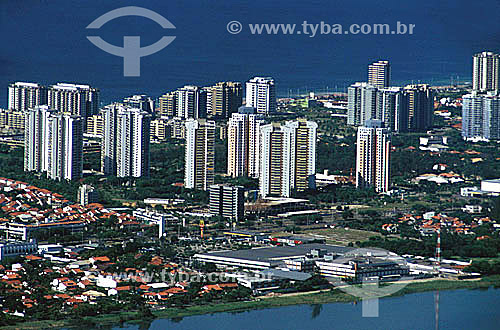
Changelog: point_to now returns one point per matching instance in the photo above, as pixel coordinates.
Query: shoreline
(298, 298)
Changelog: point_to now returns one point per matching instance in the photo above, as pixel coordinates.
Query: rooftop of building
(278, 252)
(492, 180)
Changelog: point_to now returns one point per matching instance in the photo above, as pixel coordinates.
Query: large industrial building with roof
(267, 257)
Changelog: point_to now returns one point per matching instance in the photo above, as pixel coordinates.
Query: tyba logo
(131, 50)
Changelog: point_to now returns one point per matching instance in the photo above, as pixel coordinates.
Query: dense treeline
(452, 245)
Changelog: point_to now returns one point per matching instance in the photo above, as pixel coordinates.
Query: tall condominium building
(361, 103)
(95, 125)
(472, 116)
(209, 90)
(491, 118)
(481, 116)
(87, 194)
(12, 119)
(401, 109)
(125, 141)
(200, 154)
(485, 71)
(379, 74)
(81, 100)
(4, 121)
(108, 141)
(141, 102)
(177, 128)
(65, 147)
(227, 201)
(261, 94)
(420, 106)
(287, 158)
(243, 143)
(132, 143)
(392, 108)
(164, 128)
(168, 104)
(234, 97)
(36, 138)
(191, 102)
(372, 156)
(160, 129)
(24, 96)
(223, 99)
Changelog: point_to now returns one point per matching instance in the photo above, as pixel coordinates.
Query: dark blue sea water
(460, 309)
(45, 41)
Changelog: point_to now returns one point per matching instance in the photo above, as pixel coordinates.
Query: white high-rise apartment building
(65, 147)
(481, 117)
(223, 99)
(491, 117)
(485, 71)
(372, 156)
(392, 108)
(420, 100)
(200, 154)
(24, 96)
(287, 158)
(141, 101)
(191, 102)
(81, 100)
(108, 140)
(472, 116)
(125, 141)
(35, 138)
(261, 94)
(132, 143)
(361, 103)
(243, 143)
(379, 74)
(401, 109)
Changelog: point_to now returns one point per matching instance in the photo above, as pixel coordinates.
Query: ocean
(45, 41)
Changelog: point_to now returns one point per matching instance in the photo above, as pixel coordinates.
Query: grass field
(341, 236)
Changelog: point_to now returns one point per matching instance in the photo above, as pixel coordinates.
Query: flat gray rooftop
(278, 252)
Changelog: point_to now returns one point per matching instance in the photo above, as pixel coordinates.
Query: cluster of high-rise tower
(401, 109)
(481, 108)
(55, 118)
(378, 109)
(282, 156)
(220, 100)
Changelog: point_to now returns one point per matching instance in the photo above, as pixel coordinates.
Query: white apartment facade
(200, 154)
(379, 74)
(191, 102)
(261, 94)
(243, 143)
(132, 143)
(485, 71)
(372, 156)
(24, 96)
(81, 100)
(287, 158)
(65, 147)
(35, 138)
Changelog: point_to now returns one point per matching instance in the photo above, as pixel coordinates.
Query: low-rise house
(472, 209)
